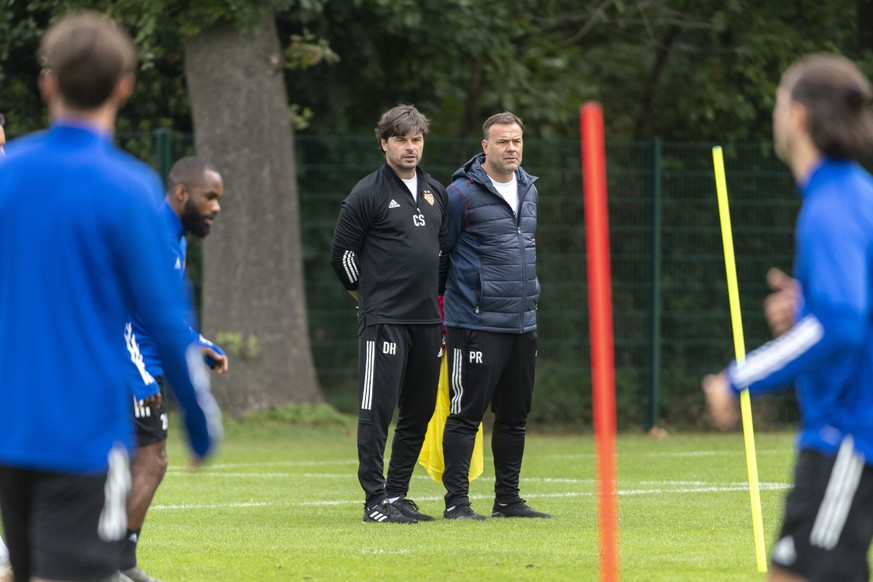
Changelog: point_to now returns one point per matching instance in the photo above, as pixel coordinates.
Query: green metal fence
(671, 313)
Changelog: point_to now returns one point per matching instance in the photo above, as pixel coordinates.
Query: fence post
(655, 297)
(163, 151)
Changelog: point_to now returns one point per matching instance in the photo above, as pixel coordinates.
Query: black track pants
(487, 368)
(398, 366)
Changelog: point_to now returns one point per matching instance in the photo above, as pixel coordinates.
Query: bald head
(194, 188)
(188, 171)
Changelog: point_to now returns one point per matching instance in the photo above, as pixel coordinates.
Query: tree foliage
(675, 69)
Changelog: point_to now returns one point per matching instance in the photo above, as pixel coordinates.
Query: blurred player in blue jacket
(191, 204)
(822, 124)
(5, 567)
(81, 250)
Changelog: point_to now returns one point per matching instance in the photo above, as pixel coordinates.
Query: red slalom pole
(600, 308)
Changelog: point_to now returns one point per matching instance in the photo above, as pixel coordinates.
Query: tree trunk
(253, 303)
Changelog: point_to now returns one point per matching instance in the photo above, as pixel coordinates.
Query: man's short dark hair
(837, 97)
(188, 171)
(505, 117)
(88, 54)
(402, 120)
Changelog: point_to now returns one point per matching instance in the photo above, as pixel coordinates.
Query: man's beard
(194, 222)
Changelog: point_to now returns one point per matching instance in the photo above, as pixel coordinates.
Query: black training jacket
(387, 247)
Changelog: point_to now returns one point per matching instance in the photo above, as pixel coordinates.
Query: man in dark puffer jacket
(488, 273)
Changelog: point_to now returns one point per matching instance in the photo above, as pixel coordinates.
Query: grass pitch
(282, 502)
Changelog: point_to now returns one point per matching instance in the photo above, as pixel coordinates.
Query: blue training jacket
(142, 384)
(828, 354)
(177, 247)
(78, 253)
(488, 261)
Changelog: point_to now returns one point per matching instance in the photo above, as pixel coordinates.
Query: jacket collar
(173, 220)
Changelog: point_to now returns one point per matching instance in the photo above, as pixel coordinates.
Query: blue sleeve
(141, 383)
(200, 340)
(158, 300)
(456, 219)
(193, 327)
(833, 270)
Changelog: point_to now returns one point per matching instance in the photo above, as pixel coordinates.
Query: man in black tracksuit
(385, 251)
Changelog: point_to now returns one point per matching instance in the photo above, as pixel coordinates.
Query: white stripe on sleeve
(780, 352)
(136, 355)
(350, 266)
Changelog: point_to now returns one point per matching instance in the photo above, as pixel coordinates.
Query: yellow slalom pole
(740, 350)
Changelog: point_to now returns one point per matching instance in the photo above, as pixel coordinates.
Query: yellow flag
(431, 456)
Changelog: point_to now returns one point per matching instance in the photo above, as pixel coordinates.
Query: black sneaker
(409, 508)
(386, 513)
(462, 511)
(517, 509)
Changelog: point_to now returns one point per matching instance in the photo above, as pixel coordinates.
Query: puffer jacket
(488, 261)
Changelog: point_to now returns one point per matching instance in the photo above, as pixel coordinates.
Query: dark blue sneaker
(517, 509)
(409, 508)
(462, 511)
(137, 575)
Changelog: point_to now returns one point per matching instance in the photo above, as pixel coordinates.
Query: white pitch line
(730, 452)
(218, 505)
(218, 467)
(730, 488)
(277, 464)
(350, 476)
(705, 485)
(202, 474)
(712, 489)
(207, 473)
(712, 453)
